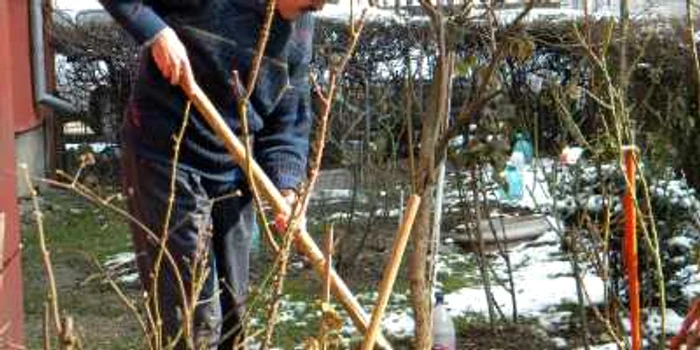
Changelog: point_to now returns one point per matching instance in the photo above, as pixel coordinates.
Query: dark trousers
(203, 227)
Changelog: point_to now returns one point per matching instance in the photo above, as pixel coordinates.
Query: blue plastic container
(523, 145)
(515, 183)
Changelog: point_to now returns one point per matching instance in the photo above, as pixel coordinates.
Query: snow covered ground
(543, 280)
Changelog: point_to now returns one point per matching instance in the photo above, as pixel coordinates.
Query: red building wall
(16, 112)
(24, 114)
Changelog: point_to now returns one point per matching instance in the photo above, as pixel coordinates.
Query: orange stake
(630, 245)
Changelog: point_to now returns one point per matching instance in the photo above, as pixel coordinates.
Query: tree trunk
(418, 271)
(483, 263)
(420, 297)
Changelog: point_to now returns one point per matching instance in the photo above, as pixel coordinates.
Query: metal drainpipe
(41, 96)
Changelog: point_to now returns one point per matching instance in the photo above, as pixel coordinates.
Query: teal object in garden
(524, 146)
(515, 182)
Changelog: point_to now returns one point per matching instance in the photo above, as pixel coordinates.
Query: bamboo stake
(327, 284)
(329, 265)
(390, 271)
(306, 244)
(630, 249)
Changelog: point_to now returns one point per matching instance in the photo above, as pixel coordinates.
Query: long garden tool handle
(306, 244)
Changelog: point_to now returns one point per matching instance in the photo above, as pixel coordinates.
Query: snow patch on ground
(399, 324)
(329, 194)
(122, 267)
(692, 289)
(653, 322)
(120, 259)
(542, 279)
(536, 192)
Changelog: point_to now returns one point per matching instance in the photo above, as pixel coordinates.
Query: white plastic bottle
(443, 327)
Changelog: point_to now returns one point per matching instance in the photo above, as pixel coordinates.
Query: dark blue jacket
(220, 36)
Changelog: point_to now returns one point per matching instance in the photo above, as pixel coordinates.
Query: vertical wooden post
(390, 271)
(329, 265)
(630, 244)
(327, 282)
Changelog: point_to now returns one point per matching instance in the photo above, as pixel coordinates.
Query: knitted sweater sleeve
(282, 146)
(137, 17)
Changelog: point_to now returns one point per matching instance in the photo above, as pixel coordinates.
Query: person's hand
(171, 58)
(281, 221)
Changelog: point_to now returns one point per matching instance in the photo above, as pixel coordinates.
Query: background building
(26, 105)
(18, 119)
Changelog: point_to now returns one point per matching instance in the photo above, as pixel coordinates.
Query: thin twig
(278, 284)
(89, 195)
(322, 130)
(46, 327)
(260, 48)
(242, 344)
(165, 234)
(45, 255)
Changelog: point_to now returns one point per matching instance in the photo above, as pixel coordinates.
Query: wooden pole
(630, 246)
(390, 272)
(329, 265)
(323, 337)
(306, 244)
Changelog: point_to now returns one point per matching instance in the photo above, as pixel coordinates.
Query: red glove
(281, 220)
